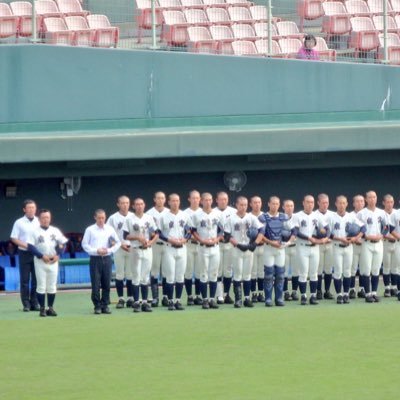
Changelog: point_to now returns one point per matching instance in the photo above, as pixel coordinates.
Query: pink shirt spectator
(307, 54)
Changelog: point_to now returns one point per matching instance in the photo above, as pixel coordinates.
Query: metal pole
(385, 49)
(153, 25)
(269, 28)
(34, 27)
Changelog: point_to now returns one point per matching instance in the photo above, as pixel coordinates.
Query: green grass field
(327, 351)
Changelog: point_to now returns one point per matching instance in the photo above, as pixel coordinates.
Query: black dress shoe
(279, 303)
(260, 298)
(97, 310)
(26, 309)
(105, 310)
(154, 303)
(35, 307)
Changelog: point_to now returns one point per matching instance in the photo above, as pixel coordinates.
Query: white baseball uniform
(145, 227)
(174, 258)
(389, 263)
(237, 227)
(325, 250)
(122, 258)
(257, 268)
(192, 249)
(356, 253)
(46, 242)
(395, 223)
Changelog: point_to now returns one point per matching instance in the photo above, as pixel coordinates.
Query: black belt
(208, 245)
(343, 245)
(142, 247)
(373, 241)
(260, 244)
(292, 245)
(391, 240)
(177, 246)
(194, 242)
(308, 244)
(160, 243)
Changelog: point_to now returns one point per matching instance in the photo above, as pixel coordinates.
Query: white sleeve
(15, 231)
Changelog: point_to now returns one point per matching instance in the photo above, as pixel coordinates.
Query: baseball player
(21, 231)
(192, 249)
(376, 225)
(174, 228)
(122, 257)
(291, 267)
(142, 231)
(340, 223)
(236, 229)
(358, 205)
(325, 252)
(389, 246)
(257, 269)
(307, 224)
(100, 241)
(225, 248)
(158, 249)
(395, 223)
(46, 243)
(274, 253)
(207, 229)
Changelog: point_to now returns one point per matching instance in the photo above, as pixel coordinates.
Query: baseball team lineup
(212, 250)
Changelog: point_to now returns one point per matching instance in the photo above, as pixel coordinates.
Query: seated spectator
(307, 51)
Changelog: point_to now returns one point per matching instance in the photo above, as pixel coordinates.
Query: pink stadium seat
(357, 8)
(224, 36)
(262, 47)
(261, 29)
(240, 14)
(170, 4)
(216, 3)
(244, 48)
(324, 52)
(290, 46)
(46, 8)
(395, 6)
(23, 9)
(288, 29)
(193, 4)
(336, 21)
(175, 30)
(309, 10)
(83, 35)
(200, 40)
(242, 3)
(260, 14)
(376, 6)
(196, 17)
(391, 23)
(106, 35)
(56, 31)
(393, 47)
(397, 20)
(364, 36)
(244, 32)
(71, 8)
(218, 16)
(8, 22)
(144, 16)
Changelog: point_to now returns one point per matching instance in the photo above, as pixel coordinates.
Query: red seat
(144, 16)
(290, 46)
(390, 24)
(336, 20)
(218, 16)
(324, 52)
(224, 36)
(200, 40)
(262, 47)
(56, 31)
(46, 8)
(244, 48)
(23, 9)
(364, 36)
(196, 16)
(71, 8)
(288, 29)
(376, 6)
(106, 35)
(393, 48)
(8, 22)
(357, 8)
(83, 35)
(262, 31)
(395, 6)
(240, 14)
(260, 14)
(244, 32)
(175, 30)
(309, 10)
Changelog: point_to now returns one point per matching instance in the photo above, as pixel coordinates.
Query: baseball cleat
(339, 299)
(238, 304)
(154, 303)
(121, 303)
(178, 306)
(295, 296)
(129, 303)
(51, 312)
(361, 294)
(352, 294)
(279, 303)
(106, 310)
(198, 301)
(220, 300)
(165, 302)
(369, 299)
(394, 292)
(171, 306)
(303, 300)
(376, 298)
(228, 299)
(313, 300)
(213, 304)
(248, 303)
(387, 293)
(288, 297)
(190, 301)
(319, 295)
(146, 307)
(260, 298)
(346, 299)
(205, 305)
(42, 312)
(136, 307)
(328, 295)
(254, 298)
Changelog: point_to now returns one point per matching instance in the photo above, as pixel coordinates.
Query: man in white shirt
(21, 231)
(100, 241)
(122, 257)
